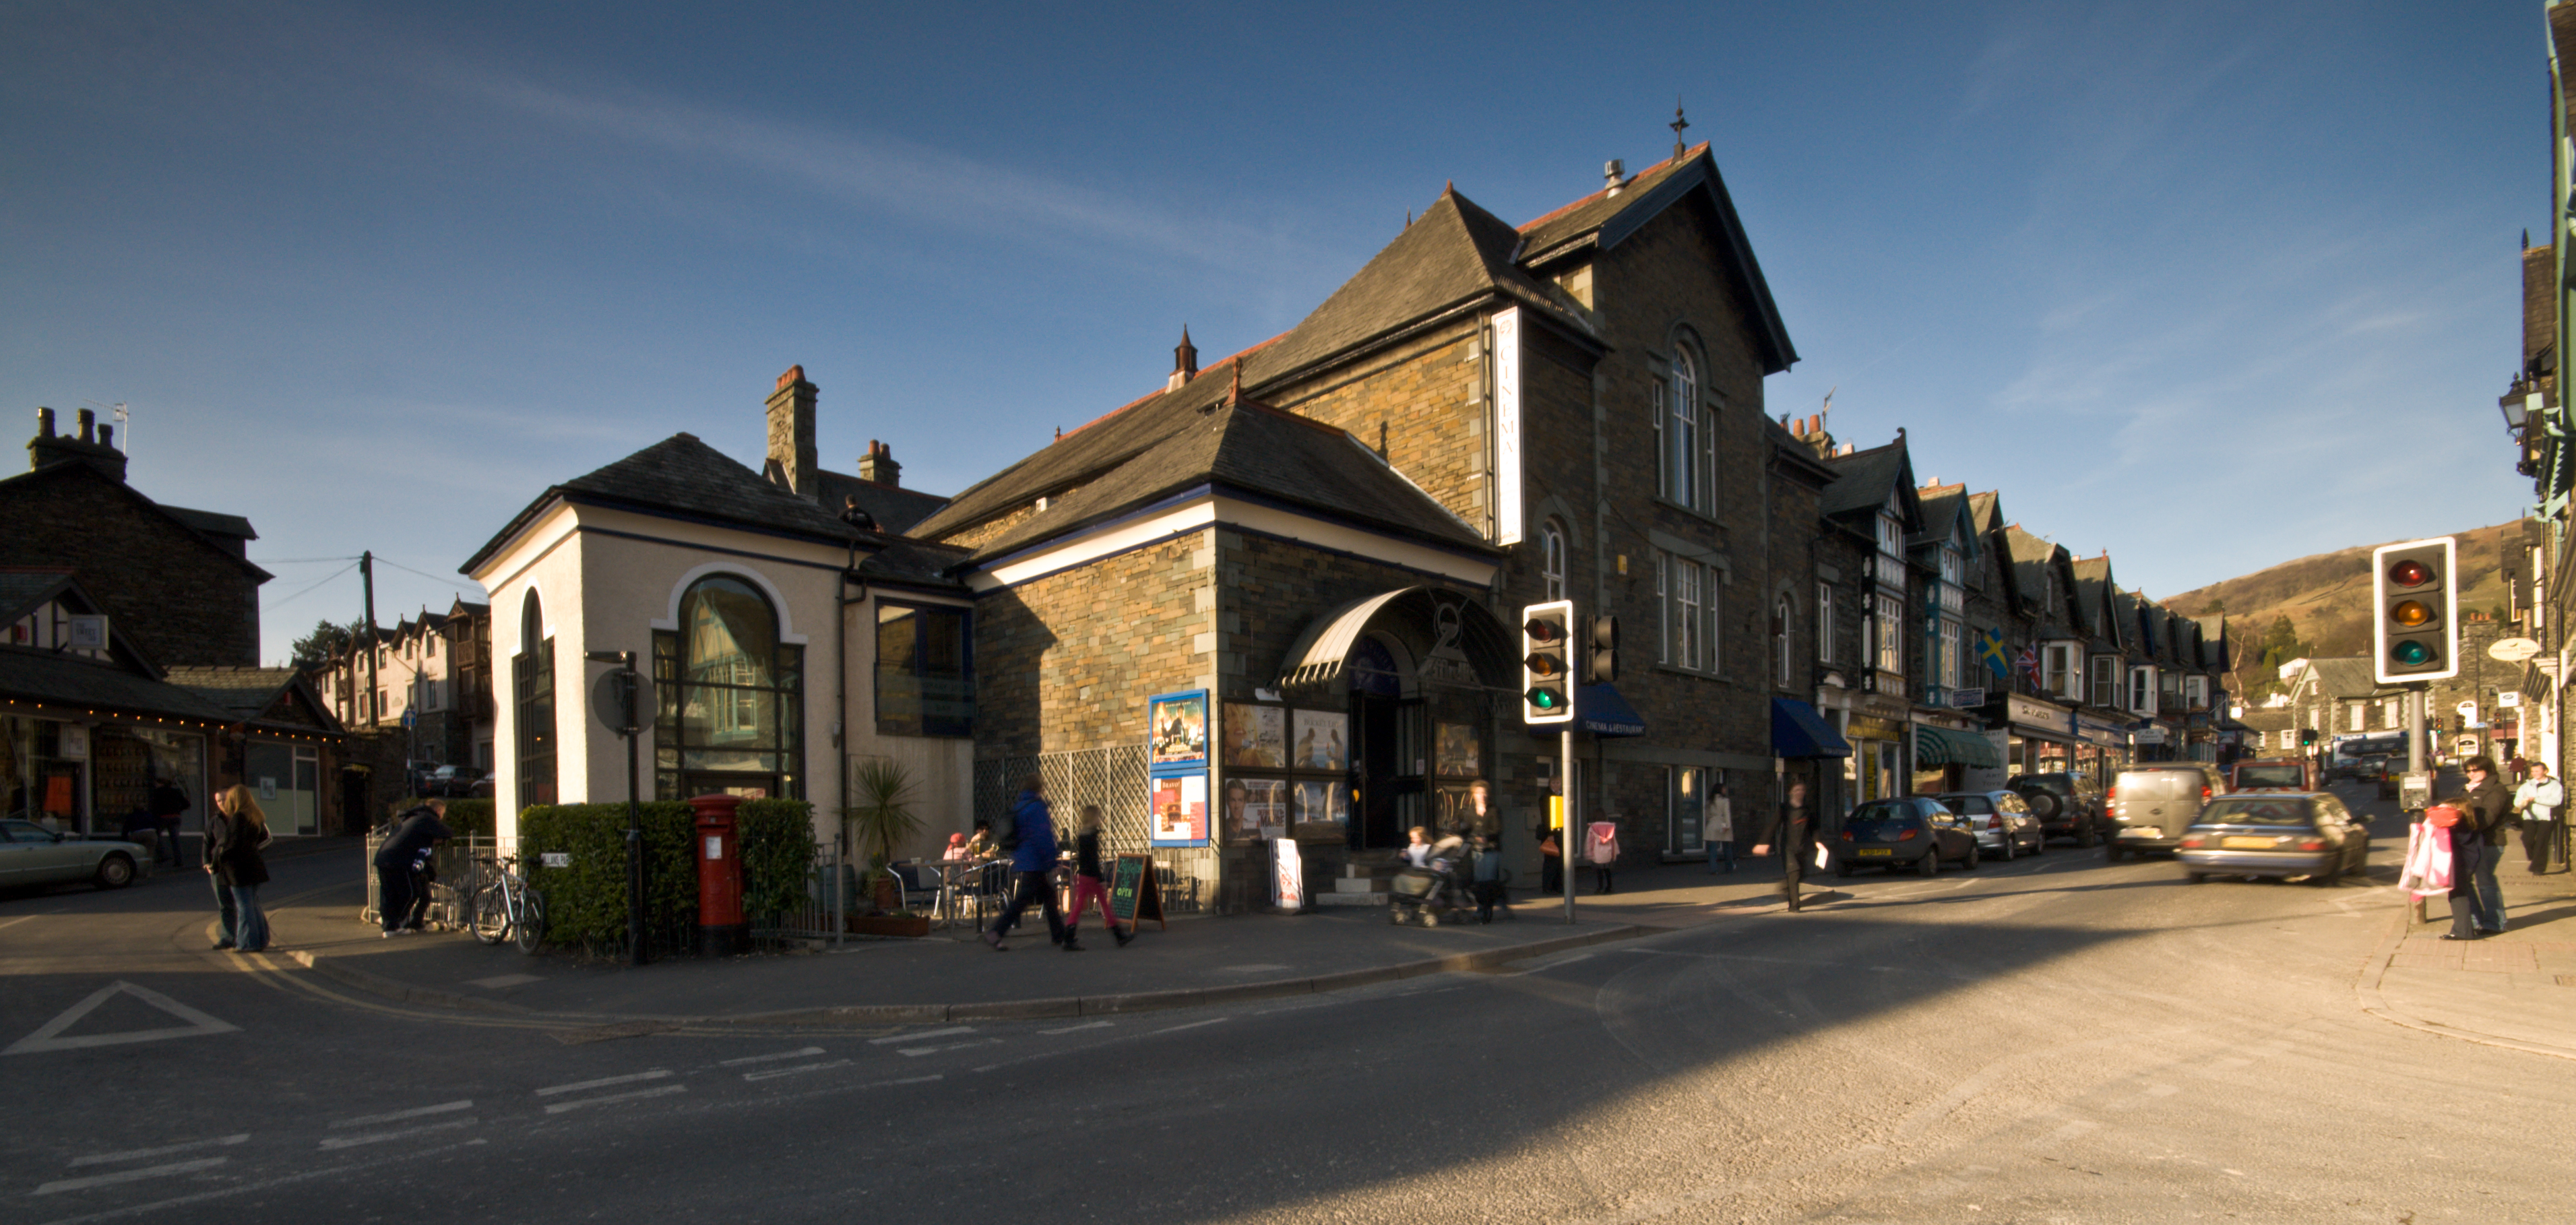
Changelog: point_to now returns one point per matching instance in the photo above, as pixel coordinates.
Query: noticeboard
(1133, 893)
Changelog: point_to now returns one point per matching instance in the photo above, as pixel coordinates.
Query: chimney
(878, 465)
(1185, 361)
(792, 463)
(1616, 172)
(92, 445)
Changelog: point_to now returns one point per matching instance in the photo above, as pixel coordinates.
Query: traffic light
(1605, 650)
(2307, 735)
(2417, 627)
(1547, 662)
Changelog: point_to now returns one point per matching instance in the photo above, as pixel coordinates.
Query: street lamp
(2517, 412)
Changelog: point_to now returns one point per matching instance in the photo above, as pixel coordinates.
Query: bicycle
(506, 908)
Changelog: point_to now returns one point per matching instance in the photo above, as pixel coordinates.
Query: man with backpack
(398, 859)
(1029, 838)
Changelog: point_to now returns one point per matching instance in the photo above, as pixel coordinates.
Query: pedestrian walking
(1601, 850)
(1717, 829)
(1793, 832)
(2536, 802)
(1033, 850)
(402, 895)
(235, 832)
(1551, 861)
(2477, 845)
(166, 802)
(1088, 883)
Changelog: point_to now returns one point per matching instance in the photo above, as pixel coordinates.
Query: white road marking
(735, 1063)
(149, 1171)
(366, 1120)
(261, 1185)
(1192, 1025)
(2070, 1131)
(935, 1033)
(578, 1103)
(48, 1037)
(16, 921)
(774, 1073)
(603, 1082)
(379, 1137)
(163, 1151)
(1078, 1028)
(919, 1051)
(498, 981)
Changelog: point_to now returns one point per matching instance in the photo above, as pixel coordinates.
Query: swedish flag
(1990, 652)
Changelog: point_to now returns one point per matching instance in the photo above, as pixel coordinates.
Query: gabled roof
(1868, 478)
(274, 696)
(73, 469)
(2213, 640)
(213, 522)
(1945, 513)
(2343, 677)
(1254, 449)
(126, 686)
(22, 590)
(1604, 220)
(681, 477)
(2093, 584)
(2030, 558)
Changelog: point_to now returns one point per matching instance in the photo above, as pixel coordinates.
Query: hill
(2326, 596)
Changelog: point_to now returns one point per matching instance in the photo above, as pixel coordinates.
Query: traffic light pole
(2415, 765)
(1565, 840)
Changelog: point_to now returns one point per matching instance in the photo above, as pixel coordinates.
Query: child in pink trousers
(1087, 886)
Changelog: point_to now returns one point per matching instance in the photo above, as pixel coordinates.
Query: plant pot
(888, 895)
(889, 925)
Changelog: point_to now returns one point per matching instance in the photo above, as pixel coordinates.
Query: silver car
(2003, 823)
(30, 854)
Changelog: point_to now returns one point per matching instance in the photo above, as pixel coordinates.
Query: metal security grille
(1113, 778)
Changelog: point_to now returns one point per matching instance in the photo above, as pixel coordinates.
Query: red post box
(722, 930)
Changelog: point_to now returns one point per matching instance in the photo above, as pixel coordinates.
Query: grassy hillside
(2327, 596)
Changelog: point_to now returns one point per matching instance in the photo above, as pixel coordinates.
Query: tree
(2215, 607)
(326, 641)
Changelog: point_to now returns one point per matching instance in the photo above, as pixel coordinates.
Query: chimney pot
(1615, 172)
(88, 426)
(795, 374)
(107, 435)
(878, 465)
(44, 423)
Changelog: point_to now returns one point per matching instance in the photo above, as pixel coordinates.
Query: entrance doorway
(1386, 741)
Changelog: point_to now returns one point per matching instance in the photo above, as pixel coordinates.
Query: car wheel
(114, 872)
(2008, 848)
(2084, 836)
(2197, 878)
(1930, 864)
(1969, 862)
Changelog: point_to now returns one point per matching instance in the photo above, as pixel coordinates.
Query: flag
(1990, 651)
(2029, 663)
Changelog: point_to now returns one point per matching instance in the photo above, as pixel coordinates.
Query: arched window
(1551, 559)
(1783, 615)
(532, 671)
(730, 696)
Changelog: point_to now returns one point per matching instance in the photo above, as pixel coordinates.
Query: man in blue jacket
(1033, 855)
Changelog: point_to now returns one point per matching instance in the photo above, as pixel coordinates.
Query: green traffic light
(1546, 699)
(2412, 654)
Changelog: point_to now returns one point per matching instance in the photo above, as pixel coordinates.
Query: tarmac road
(2055, 1039)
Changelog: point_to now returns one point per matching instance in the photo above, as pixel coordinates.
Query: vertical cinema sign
(1507, 427)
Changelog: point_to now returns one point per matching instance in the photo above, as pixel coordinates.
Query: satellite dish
(2513, 650)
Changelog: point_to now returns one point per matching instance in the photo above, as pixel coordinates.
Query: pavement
(2514, 990)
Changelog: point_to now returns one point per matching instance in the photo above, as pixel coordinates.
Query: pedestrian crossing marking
(48, 1037)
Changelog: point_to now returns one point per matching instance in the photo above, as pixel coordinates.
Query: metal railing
(823, 911)
(461, 865)
(1115, 779)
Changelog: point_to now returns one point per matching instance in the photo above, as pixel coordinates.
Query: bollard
(722, 930)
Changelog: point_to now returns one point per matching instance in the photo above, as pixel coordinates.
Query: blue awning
(1798, 731)
(1600, 710)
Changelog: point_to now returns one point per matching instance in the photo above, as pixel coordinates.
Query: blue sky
(2207, 286)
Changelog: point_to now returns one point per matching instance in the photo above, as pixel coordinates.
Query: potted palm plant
(878, 817)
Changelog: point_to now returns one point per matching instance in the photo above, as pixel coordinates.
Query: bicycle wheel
(530, 928)
(491, 914)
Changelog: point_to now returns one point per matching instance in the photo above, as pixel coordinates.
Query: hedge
(469, 818)
(586, 900)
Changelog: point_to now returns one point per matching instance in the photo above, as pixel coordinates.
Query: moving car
(30, 854)
(2067, 805)
(2152, 804)
(2001, 822)
(2274, 774)
(2275, 834)
(1915, 832)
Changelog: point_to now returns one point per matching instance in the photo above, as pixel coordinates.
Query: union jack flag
(2028, 662)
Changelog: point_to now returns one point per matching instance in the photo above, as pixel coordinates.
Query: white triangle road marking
(48, 1036)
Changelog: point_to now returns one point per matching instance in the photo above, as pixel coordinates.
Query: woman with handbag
(235, 832)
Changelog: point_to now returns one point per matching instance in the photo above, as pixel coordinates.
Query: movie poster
(1254, 809)
(1323, 804)
(1457, 748)
(1177, 729)
(1180, 813)
(1321, 741)
(1256, 737)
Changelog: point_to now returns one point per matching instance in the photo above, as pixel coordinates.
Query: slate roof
(894, 507)
(2093, 584)
(1986, 510)
(213, 522)
(915, 563)
(2030, 558)
(1255, 449)
(73, 469)
(22, 590)
(1604, 220)
(2343, 677)
(250, 695)
(70, 680)
(1866, 480)
(1942, 507)
(2213, 640)
(681, 476)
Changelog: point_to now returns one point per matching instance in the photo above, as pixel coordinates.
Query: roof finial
(1677, 125)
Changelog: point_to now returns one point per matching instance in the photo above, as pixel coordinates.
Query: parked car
(2275, 834)
(2000, 820)
(2152, 804)
(1915, 832)
(452, 780)
(2274, 774)
(481, 790)
(2067, 805)
(30, 854)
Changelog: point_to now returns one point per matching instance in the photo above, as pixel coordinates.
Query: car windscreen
(2257, 812)
(2160, 785)
(1969, 805)
(1886, 816)
(2271, 776)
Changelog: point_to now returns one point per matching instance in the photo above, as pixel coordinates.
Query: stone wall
(1067, 661)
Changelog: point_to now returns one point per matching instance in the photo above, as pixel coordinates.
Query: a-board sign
(1133, 893)
(1287, 877)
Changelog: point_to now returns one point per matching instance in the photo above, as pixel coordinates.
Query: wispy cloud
(881, 174)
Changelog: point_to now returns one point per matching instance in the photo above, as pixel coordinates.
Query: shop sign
(71, 740)
(1966, 699)
(2508, 699)
(2151, 735)
(1873, 729)
(2034, 713)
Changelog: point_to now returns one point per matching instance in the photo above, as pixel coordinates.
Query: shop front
(1949, 758)
(2040, 737)
(2101, 751)
(87, 773)
(1878, 768)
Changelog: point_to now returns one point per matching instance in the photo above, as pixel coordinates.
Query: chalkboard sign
(1133, 893)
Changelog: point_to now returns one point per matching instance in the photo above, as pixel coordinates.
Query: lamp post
(617, 703)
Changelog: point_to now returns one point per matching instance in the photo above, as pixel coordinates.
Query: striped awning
(1939, 746)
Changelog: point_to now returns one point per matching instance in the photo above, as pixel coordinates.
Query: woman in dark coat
(235, 831)
(2477, 845)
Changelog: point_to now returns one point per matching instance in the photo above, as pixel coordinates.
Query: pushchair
(1427, 895)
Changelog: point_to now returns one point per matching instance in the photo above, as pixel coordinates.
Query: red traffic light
(2410, 573)
(1544, 631)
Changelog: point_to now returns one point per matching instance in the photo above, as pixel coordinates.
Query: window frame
(919, 723)
(739, 699)
(1551, 559)
(1824, 623)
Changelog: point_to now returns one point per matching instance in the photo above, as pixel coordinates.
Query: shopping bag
(1822, 860)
